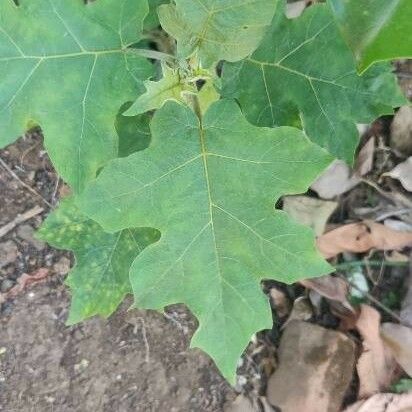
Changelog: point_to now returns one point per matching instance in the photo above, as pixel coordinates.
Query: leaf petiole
(151, 54)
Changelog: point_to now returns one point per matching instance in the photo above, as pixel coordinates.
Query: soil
(135, 361)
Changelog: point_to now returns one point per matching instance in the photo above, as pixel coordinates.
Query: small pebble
(6, 285)
(79, 367)
(8, 253)
(62, 267)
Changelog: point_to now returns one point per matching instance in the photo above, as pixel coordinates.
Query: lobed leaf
(210, 188)
(169, 87)
(375, 30)
(65, 66)
(217, 29)
(100, 279)
(303, 74)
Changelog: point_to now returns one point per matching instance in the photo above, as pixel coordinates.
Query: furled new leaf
(210, 189)
(376, 29)
(100, 279)
(304, 74)
(169, 87)
(65, 66)
(217, 29)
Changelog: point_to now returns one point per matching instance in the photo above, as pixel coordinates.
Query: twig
(372, 299)
(391, 196)
(176, 322)
(25, 185)
(387, 215)
(20, 219)
(370, 263)
(56, 188)
(146, 343)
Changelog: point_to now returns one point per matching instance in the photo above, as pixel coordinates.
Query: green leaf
(152, 19)
(376, 30)
(304, 73)
(169, 87)
(402, 386)
(210, 189)
(100, 279)
(217, 30)
(65, 66)
(207, 96)
(134, 132)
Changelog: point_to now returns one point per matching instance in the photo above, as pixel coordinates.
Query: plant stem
(151, 54)
(372, 299)
(372, 263)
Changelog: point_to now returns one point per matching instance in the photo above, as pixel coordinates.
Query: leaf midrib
(204, 155)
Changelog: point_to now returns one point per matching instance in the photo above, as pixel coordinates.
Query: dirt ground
(135, 361)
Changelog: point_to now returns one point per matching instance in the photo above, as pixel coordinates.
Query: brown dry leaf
(364, 161)
(64, 191)
(401, 131)
(361, 237)
(399, 340)
(280, 302)
(295, 9)
(395, 256)
(315, 369)
(383, 402)
(329, 287)
(403, 172)
(375, 365)
(335, 180)
(406, 309)
(309, 211)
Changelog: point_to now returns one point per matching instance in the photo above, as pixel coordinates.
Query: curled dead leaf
(280, 302)
(338, 178)
(309, 211)
(403, 173)
(361, 237)
(329, 287)
(401, 130)
(406, 309)
(364, 161)
(375, 365)
(399, 340)
(383, 402)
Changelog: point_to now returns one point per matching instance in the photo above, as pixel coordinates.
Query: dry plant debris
(362, 237)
